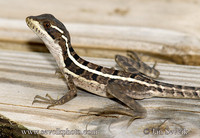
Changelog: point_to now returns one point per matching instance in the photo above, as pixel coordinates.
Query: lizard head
(47, 27)
(53, 33)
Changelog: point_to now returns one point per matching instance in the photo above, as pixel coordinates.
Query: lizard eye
(46, 24)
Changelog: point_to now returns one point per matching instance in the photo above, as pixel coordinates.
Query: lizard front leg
(67, 97)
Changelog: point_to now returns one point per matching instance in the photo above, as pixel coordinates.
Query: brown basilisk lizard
(123, 85)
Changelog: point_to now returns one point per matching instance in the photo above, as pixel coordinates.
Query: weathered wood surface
(179, 15)
(168, 45)
(24, 75)
(168, 30)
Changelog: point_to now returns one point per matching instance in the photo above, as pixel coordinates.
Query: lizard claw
(48, 100)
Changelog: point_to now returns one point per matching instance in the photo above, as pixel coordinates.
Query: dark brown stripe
(178, 86)
(94, 77)
(115, 72)
(65, 53)
(76, 56)
(159, 89)
(67, 62)
(79, 71)
(133, 75)
(111, 80)
(85, 63)
(195, 94)
(99, 68)
(181, 93)
(71, 49)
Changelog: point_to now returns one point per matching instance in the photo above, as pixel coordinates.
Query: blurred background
(158, 30)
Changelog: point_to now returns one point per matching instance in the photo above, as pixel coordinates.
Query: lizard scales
(96, 79)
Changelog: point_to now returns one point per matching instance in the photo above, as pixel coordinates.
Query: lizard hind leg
(133, 109)
(116, 90)
(135, 65)
(144, 68)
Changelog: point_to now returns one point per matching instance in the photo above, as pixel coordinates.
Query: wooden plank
(166, 30)
(179, 15)
(168, 45)
(24, 75)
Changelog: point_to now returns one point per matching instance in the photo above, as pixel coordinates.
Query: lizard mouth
(34, 26)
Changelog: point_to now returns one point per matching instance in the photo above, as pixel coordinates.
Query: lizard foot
(65, 98)
(112, 109)
(47, 100)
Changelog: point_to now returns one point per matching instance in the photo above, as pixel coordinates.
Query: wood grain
(163, 31)
(177, 15)
(93, 40)
(24, 75)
